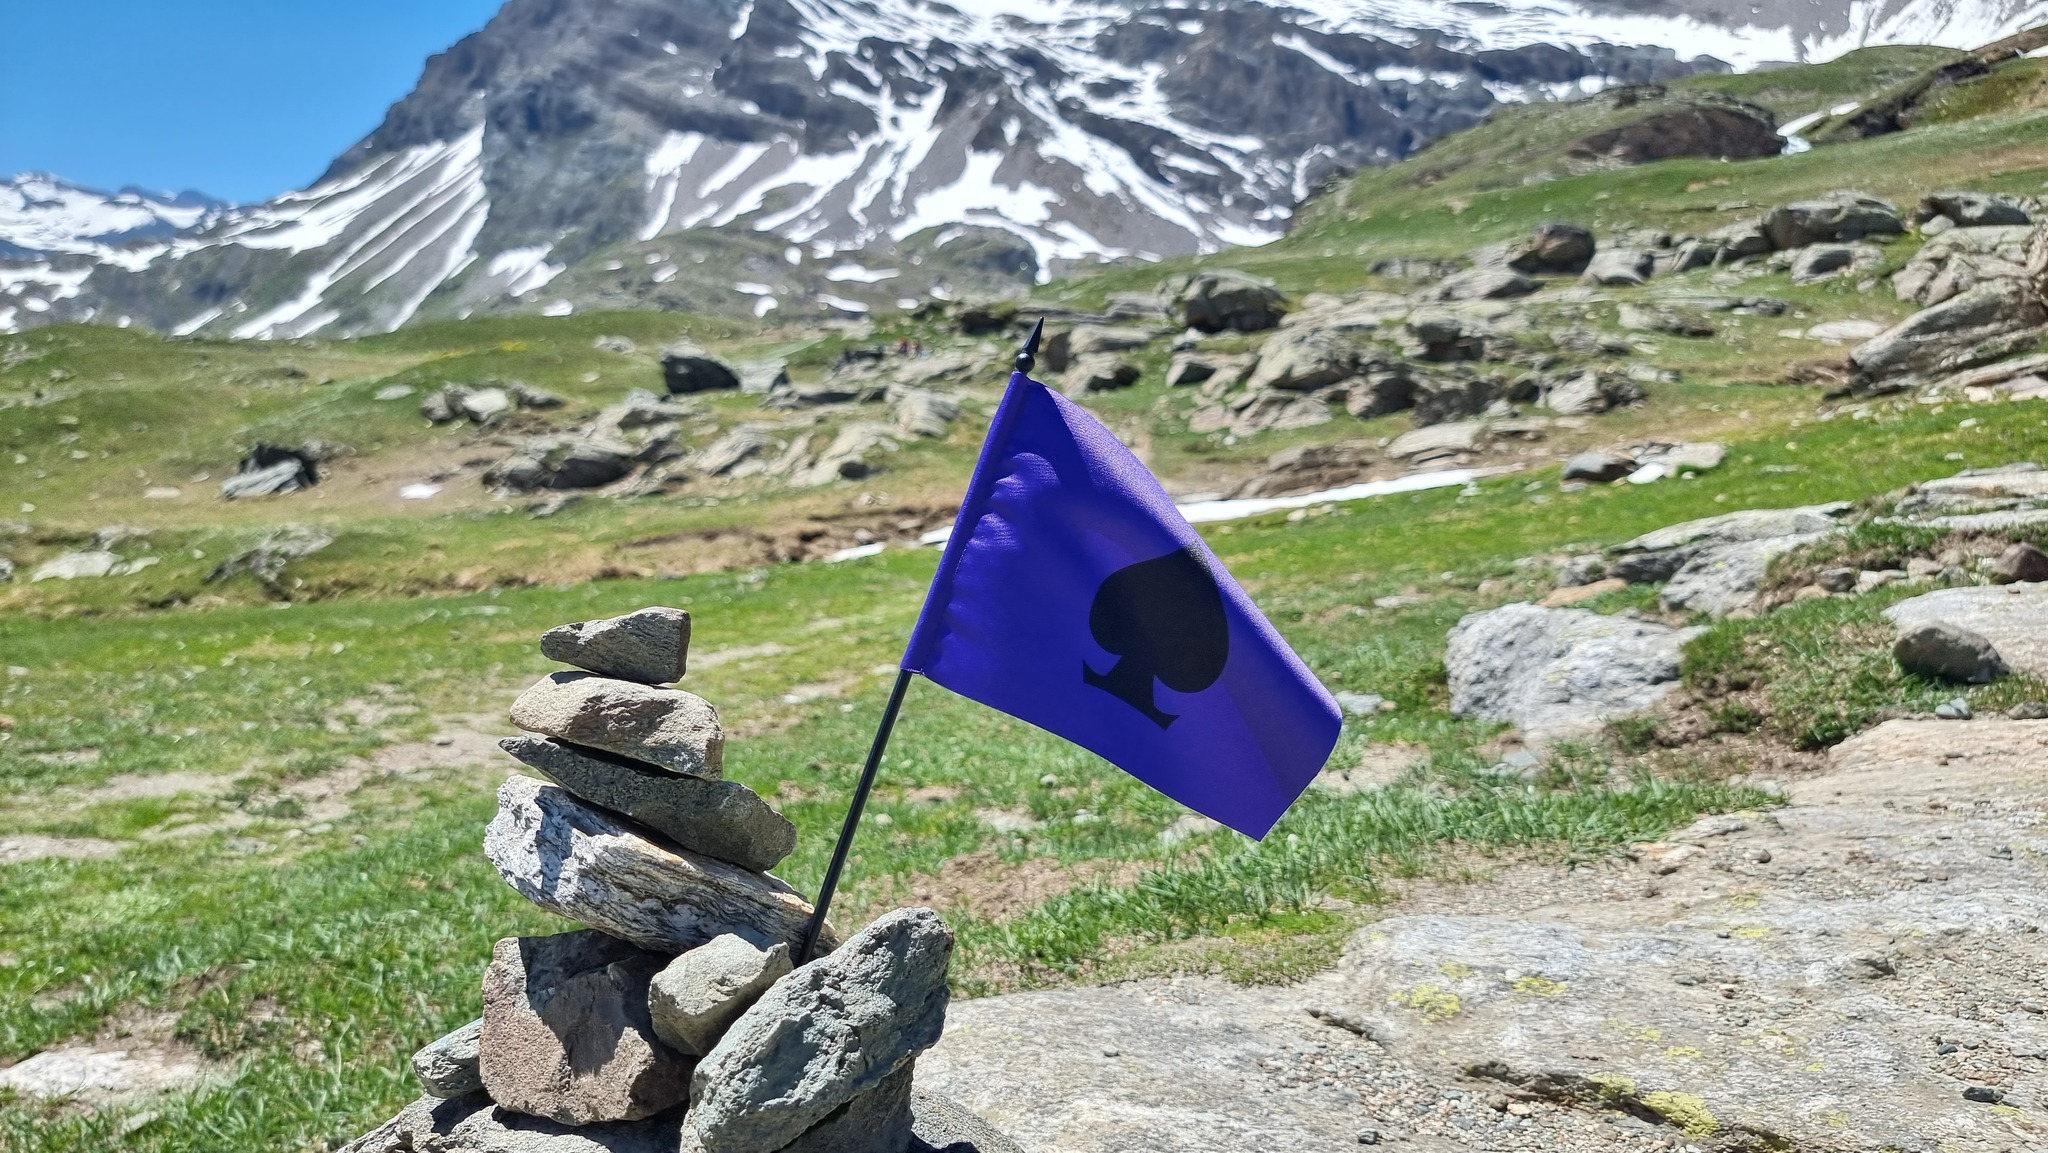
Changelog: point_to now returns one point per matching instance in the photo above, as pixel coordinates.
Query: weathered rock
(1213, 369)
(622, 345)
(851, 455)
(1725, 129)
(1691, 254)
(686, 368)
(2008, 616)
(717, 818)
(1659, 554)
(2020, 562)
(1939, 649)
(1971, 209)
(1836, 216)
(1552, 248)
(1598, 467)
(1301, 359)
(761, 377)
(1619, 267)
(267, 558)
(1442, 335)
(1676, 321)
(1590, 393)
(1309, 468)
(1820, 261)
(825, 1034)
(1961, 259)
(1269, 409)
(1482, 284)
(922, 412)
(1454, 437)
(484, 405)
(268, 470)
(738, 447)
(1100, 372)
(562, 462)
(1093, 339)
(649, 645)
(701, 993)
(1721, 580)
(1223, 298)
(1961, 332)
(1379, 391)
(587, 865)
(566, 1035)
(877, 1121)
(472, 1125)
(1741, 239)
(448, 1067)
(1437, 399)
(668, 727)
(1558, 672)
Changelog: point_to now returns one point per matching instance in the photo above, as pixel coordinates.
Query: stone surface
(825, 1034)
(877, 1121)
(473, 1125)
(686, 368)
(668, 727)
(699, 995)
(590, 866)
(1552, 248)
(1482, 284)
(1598, 467)
(715, 817)
(562, 462)
(1099, 372)
(1938, 649)
(566, 1035)
(1961, 332)
(2011, 617)
(1665, 319)
(923, 412)
(1838, 216)
(1558, 672)
(1300, 358)
(1971, 209)
(2020, 562)
(1224, 298)
(1619, 267)
(1721, 580)
(448, 1067)
(1591, 392)
(649, 645)
(1960, 259)
(1659, 554)
(1458, 436)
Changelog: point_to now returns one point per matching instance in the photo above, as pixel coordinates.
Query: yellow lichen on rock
(1432, 1001)
(1615, 1088)
(1540, 986)
(1684, 1110)
(1455, 971)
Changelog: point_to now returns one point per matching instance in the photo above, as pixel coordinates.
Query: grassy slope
(312, 962)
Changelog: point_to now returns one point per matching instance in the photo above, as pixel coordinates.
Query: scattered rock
(1590, 393)
(1570, 595)
(448, 1067)
(1728, 129)
(1455, 437)
(269, 470)
(1553, 249)
(1819, 261)
(649, 645)
(1582, 570)
(1962, 259)
(589, 866)
(1953, 709)
(850, 456)
(1938, 649)
(562, 462)
(1961, 332)
(484, 405)
(1675, 321)
(1721, 580)
(701, 993)
(624, 346)
(1620, 267)
(1441, 335)
(922, 412)
(1840, 330)
(761, 377)
(1303, 358)
(566, 1034)
(266, 561)
(1837, 216)
(1482, 284)
(1309, 468)
(1837, 580)
(825, 1034)
(724, 456)
(1970, 209)
(1558, 672)
(1598, 467)
(1101, 372)
(1658, 555)
(1223, 298)
(1741, 239)
(718, 818)
(686, 368)
(677, 730)
(2020, 562)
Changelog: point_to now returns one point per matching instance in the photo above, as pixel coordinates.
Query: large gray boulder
(1984, 324)
(1659, 554)
(590, 866)
(824, 1035)
(1591, 392)
(1971, 209)
(1300, 359)
(448, 1067)
(1836, 216)
(562, 462)
(1224, 298)
(1939, 649)
(701, 993)
(566, 1034)
(649, 645)
(1620, 267)
(668, 727)
(1552, 248)
(1555, 673)
(686, 368)
(1722, 580)
(1961, 259)
(2012, 618)
(718, 818)
(1482, 284)
(1098, 372)
(923, 412)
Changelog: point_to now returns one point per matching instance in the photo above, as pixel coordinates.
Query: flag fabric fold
(1074, 596)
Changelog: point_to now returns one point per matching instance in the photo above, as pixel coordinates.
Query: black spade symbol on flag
(1164, 620)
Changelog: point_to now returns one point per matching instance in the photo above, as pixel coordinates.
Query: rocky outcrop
(2008, 618)
(1838, 216)
(1223, 299)
(686, 368)
(563, 462)
(1558, 672)
(1975, 327)
(1961, 259)
(1659, 555)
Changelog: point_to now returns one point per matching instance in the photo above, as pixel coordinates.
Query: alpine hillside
(832, 156)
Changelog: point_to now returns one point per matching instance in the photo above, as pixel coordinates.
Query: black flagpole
(1026, 361)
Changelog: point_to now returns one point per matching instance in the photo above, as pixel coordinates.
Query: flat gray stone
(701, 993)
(1721, 580)
(649, 645)
(448, 1067)
(591, 866)
(1658, 555)
(566, 1034)
(718, 818)
(825, 1034)
(877, 1121)
(473, 1124)
(1558, 672)
(668, 727)
(2013, 618)
(1939, 649)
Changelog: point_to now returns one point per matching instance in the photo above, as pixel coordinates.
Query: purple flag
(1073, 595)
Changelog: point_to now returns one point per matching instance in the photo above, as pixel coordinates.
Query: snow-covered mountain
(42, 214)
(827, 155)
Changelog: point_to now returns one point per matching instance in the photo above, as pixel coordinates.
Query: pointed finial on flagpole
(1028, 358)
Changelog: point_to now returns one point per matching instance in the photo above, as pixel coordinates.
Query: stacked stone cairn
(678, 1021)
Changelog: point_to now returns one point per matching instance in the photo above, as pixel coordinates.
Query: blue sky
(242, 99)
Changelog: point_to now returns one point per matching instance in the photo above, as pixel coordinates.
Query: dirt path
(1860, 970)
